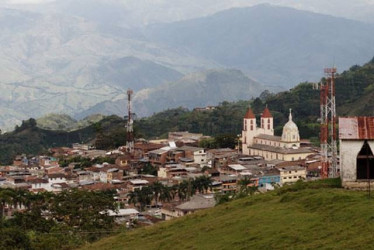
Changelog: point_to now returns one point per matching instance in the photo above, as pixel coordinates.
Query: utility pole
(130, 128)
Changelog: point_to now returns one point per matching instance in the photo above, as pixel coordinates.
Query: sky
(152, 11)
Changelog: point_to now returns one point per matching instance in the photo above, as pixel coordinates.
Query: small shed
(356, 135)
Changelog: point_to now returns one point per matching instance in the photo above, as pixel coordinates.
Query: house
(110, 172)
(46, 161)
(221, 157)
(157, 157)
(142, 148)
(356, 135)
(38, 183)
(262, 141)
(137, 184)
(292, 174)
(271, 176)
(124, 215)
(198, 155)
(235, 168)
(197, 202)
(172, 170)
(229, 183)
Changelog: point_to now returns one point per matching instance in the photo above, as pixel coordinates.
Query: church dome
(290, 131)
(290, 125)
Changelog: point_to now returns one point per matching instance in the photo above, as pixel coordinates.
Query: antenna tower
(328, 125)
(130, 128)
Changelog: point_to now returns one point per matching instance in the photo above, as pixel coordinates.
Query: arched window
(365, 162)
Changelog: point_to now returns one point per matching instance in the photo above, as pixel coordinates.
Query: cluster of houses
(265, 159)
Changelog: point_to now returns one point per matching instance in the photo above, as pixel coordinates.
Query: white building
(262, 141)
(356, 136)
(292, 174)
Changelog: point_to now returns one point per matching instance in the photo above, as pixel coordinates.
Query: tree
(166, 194)
(83, 210)
(246, 186)
(6, 197)
(226, 141)
(13, 238)
(157, 188)
(141, 197)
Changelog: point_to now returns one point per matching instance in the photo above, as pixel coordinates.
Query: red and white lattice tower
(328, 133)
(130, 128)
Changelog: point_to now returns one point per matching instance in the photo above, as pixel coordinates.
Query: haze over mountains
(79, 57)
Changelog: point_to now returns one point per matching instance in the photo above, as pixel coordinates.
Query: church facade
(262, 141)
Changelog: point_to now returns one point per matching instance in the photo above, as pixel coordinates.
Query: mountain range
(66, 58)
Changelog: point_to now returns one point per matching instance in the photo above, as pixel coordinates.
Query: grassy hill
(302, 216)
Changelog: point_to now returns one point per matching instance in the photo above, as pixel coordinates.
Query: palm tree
(6, 197)
(205, 182)
(157, 188)
(166, 194)
(246, 187)
(182, 190)
(145, 196)
(133, 197)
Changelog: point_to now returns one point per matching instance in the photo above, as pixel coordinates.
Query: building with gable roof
(356, 135)
(262, 141)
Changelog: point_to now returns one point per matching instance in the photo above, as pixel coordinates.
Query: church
(262, 141)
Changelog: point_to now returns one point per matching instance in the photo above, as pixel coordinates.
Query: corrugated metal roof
(356, 128)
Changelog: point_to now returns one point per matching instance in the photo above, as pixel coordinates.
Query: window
(289, 172)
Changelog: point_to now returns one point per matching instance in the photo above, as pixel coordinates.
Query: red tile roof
(249, 114)
(359, 128)
(266, 113)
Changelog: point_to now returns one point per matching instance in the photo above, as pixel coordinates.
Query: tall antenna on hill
(130, 129)
(328, 125)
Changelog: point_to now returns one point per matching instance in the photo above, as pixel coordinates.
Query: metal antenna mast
(130, 129)
(328, 133)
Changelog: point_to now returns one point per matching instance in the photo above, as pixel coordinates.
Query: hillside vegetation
(31, 140)
(354, 96)
(65, 122)
(301, 216)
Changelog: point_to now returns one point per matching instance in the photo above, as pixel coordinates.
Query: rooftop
(237, 167)
(356, 128)
(266, 113)
(280, 150)
(198, 202)
(269, 137)
(139, 182)
(249, 114)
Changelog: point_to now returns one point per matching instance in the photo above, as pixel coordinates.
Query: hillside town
(261, 163)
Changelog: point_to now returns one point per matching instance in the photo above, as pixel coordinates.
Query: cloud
(25, 1)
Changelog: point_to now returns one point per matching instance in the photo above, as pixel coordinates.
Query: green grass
(304, 216)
